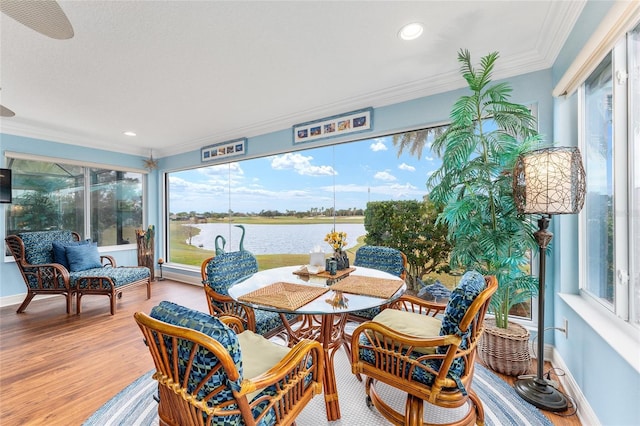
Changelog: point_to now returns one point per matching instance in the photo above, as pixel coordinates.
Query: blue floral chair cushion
(120, 276)
(470, 286)
(383, 259)
(227, 268)
(38, 246)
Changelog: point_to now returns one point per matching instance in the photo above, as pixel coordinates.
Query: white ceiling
(184, 74)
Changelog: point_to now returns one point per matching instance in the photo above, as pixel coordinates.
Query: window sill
(621, 336)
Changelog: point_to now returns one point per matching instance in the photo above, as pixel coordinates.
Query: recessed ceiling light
(411, 31)
(129, 133)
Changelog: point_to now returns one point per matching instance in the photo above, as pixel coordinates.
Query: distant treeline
(314, 211)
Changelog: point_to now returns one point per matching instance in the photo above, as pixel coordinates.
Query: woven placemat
(284, 295)
(368, 286)
(325, 274)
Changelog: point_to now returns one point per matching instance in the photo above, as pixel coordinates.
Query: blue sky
(361, 171)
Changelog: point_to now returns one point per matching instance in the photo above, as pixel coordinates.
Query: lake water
(274, 239)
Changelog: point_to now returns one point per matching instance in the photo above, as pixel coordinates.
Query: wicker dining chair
(209, 375)
(417, 348)
(385, 259)
(223, 270)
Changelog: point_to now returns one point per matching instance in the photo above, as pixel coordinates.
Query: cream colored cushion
(411, 323)
(258, 355)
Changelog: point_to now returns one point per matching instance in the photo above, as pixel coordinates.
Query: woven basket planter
(505, 350)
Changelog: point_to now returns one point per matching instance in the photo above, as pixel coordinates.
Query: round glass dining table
(323, 318)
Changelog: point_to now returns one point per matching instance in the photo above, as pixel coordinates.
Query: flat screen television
(5, 186)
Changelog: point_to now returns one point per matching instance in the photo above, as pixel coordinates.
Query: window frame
(87, 166)
(622, 166)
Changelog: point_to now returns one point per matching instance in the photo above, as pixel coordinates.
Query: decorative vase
(342, 260)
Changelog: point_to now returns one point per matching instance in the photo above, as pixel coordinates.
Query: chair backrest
(198, 366)
(464, 317)
(385, 259)
(36, 248)
(32, 249)
(226, 268)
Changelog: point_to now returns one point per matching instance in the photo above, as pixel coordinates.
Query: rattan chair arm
(111, 261)
(38, 270)
(233, 323)
(244, 313)
(383, 335)
(412, 303)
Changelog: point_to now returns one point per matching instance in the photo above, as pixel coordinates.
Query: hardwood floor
(58, 369)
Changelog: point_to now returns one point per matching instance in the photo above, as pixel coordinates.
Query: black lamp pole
(537, 390)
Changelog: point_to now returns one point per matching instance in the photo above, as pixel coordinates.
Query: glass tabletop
(329, 302)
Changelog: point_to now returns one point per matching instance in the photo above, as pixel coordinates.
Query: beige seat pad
(258, 355)
(411, 323)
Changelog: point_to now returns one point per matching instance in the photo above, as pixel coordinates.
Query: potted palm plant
(474, 185)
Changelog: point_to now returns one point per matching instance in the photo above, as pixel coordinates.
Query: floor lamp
(547, 181)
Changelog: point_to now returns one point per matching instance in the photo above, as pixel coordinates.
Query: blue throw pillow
(83, 257)
(59, 253)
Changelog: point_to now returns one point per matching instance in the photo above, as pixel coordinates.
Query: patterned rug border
(134, 405)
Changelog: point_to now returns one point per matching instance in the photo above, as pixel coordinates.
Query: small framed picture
(225, 149)
(351, 122)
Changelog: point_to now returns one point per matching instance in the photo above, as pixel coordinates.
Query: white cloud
(428, 158)
(378, 145)
(407, 167)
(385, 176)
(301, 165)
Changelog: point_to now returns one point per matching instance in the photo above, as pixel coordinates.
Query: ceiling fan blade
(6, 112)
(43, 16)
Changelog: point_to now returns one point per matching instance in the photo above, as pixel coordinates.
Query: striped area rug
(135, 405)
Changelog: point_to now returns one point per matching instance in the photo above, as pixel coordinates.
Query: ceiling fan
(43, 16)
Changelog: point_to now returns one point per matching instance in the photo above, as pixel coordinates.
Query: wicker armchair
(209, 375)
(431, 359)
(41, 257)
(221, 272)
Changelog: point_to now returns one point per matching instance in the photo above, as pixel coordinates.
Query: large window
(610, 140)
(53, 195)
(307, 189)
